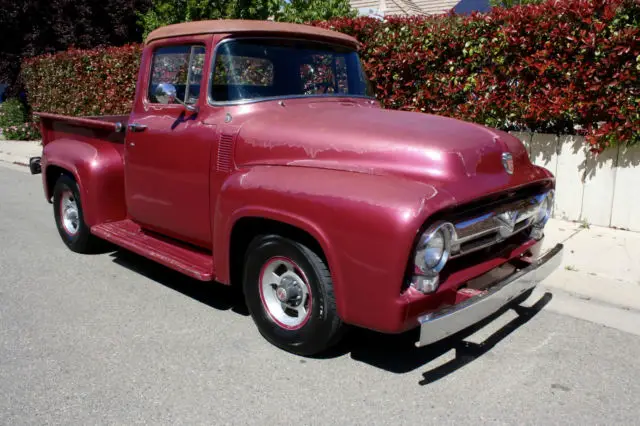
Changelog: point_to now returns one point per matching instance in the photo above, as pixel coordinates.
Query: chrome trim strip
(284, 98)
(482, 246)
(476, 235)
(438, 325)
(212, 69)
(471, 222)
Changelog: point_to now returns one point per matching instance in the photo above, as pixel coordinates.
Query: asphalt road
(114, 338)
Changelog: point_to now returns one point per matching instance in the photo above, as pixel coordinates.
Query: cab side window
(179, 68)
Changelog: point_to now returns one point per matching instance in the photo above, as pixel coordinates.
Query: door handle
(136, 127)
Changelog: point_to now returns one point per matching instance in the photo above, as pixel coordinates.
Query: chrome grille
(492, 227)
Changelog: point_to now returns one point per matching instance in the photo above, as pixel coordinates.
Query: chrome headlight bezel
(447, 230)
(542, 215)
(545, 209)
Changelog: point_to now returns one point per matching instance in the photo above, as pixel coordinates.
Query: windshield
(263, 69)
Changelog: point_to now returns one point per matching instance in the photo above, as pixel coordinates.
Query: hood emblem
(506, 223)
(507, 162)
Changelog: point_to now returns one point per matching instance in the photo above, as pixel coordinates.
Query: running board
(185, 259)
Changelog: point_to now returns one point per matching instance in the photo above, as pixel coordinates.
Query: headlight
(542, 216)
(431, 256)
(544, 212)
(432, 251)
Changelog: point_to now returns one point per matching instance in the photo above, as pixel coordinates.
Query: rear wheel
(289, 293)
(68, 213)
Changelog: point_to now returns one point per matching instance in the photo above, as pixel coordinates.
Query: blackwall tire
(277, 268)
(69, 217)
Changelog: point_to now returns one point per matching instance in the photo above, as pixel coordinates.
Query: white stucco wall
(600, 190)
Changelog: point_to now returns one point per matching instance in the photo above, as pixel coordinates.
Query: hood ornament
(507, 162)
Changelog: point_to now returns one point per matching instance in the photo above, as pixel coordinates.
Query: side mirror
(165, 93)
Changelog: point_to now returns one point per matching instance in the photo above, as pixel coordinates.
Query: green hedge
(562, 66)
(14, 123)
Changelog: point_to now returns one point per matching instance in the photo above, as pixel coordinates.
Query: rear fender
(365, 225)
(97, 168)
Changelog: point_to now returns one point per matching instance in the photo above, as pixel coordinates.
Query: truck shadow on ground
(398, 354)
(217, 296)
(393, 353)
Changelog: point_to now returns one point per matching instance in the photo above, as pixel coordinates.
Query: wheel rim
(69, 213)
(285, 293)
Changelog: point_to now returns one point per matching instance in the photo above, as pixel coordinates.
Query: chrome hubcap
(285, 293)
(69, 213)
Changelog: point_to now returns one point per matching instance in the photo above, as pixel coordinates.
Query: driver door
(168, 148)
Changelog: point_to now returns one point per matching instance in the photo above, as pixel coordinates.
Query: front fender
(365, 224)
(98, 169)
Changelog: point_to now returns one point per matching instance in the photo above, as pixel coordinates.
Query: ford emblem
(507, 162)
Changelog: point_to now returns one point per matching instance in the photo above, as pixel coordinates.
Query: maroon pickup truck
(256, 155)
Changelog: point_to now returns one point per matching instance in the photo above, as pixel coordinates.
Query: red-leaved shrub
(556, 67)
(548, 67)
(99, 81)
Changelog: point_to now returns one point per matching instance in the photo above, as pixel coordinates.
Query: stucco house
(417, 7)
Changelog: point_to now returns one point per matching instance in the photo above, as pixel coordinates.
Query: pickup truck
(257, 156)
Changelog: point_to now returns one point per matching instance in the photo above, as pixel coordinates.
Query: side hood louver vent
(224, 161)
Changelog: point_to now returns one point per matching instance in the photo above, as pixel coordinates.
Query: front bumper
(437, 325)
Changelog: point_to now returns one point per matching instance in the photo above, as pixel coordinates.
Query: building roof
(248, 26)
(405, 7)
(432, 7)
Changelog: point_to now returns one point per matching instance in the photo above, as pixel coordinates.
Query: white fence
(600, 190)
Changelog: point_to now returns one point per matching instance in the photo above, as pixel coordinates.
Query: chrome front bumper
(437, 325)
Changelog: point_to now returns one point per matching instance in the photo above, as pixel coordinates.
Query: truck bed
(109, 128)
(91, 149)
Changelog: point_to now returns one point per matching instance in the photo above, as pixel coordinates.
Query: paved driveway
(114, 338)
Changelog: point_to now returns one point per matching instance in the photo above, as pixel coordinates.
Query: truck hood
(461, 157)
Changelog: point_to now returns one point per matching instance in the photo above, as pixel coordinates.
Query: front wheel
(289, 293)
(69, 216)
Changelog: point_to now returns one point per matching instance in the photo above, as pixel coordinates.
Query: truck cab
(170, 160)
(257, 155)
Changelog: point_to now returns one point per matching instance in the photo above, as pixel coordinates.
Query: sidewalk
(600, 264)
(19, 152)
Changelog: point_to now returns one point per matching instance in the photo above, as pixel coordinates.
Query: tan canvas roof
(247, 26)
